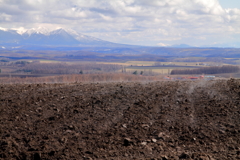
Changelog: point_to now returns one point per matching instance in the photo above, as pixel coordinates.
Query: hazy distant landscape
(40, 53)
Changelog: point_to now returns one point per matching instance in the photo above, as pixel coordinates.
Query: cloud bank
(142, 22)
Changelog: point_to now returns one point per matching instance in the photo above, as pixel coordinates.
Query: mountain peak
(39, 30)
(58, 31)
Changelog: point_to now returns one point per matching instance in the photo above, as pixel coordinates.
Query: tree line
(208, 70)
(64, 68)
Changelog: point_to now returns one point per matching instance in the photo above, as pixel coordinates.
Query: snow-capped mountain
(39, 30)
(44, 36)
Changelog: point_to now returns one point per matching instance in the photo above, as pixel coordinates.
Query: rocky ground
(158, 120)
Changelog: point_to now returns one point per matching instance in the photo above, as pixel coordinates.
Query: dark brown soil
(161, 120)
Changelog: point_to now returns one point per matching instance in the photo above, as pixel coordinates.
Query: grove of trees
(208, 70)
(64, 68)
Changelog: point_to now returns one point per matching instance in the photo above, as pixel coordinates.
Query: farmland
(130, 120)
(43, 68)
(113, 108)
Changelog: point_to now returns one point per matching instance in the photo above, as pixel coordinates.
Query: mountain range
(69, 40)
(44, 37)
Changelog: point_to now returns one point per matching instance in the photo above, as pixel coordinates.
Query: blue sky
(138, 22)
(230, 3)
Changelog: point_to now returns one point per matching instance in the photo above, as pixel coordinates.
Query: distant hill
(181, 46)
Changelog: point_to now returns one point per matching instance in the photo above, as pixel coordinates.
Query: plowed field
(161, 120)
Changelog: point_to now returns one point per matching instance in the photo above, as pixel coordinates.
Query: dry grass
(49, 61)
(106, 77)
(129, 63)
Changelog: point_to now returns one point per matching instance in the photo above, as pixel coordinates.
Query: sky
(138, 22)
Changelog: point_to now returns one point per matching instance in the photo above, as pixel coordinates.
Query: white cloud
(145, 22)
(107, 18)
(5, 17)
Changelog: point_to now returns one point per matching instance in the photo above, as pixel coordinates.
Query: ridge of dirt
(162, 120)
